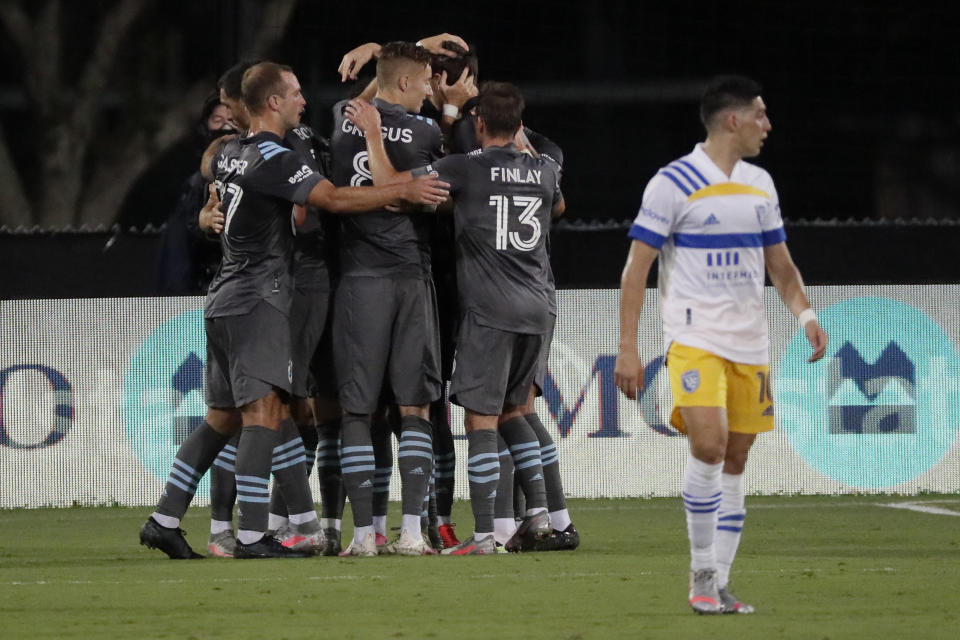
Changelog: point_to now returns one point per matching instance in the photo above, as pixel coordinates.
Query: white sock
(701, 499)
(410, 523)
(302, 518)
(218, 526)
(442, 520)
(730, 519)
(477, 536)
(380, 525)
(166, 521)
(503, 528)
(560, 520)
(274, 522)
(359, 533)
(536, 510)
(331, 523)
(248, 537)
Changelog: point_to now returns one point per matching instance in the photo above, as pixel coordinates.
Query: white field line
(922, 508)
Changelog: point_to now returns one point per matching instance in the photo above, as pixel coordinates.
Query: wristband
(419, 43)
(451, 110)
(807, 315)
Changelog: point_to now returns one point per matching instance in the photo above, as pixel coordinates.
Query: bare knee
(223, 421)
(268, 411)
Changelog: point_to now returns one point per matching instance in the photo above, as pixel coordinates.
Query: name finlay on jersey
(231, 165)
(390, 134)
(514, 174)
(301, 173)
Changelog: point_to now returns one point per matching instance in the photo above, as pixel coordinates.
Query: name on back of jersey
(514, 174)
(302, 132)
(390, 134)
(231, 165)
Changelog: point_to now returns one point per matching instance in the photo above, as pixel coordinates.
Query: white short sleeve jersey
(711, 230)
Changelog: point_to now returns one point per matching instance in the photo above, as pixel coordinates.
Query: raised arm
(786, 279)
(628, 372)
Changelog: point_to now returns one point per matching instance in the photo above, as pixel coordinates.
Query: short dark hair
(232, 78)
(500, 104)
(723, 92)
(394, 54)
(261, 81)
(455, 66)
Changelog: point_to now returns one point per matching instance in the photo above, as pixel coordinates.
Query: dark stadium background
(863, 97)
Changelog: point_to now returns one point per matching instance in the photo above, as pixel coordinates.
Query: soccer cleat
(223, 544)
(366, 548)
(381, 543)
(153, 535)
(447, 536)
(531, 529)
(409, 543)
(265, 547)
(731, 604)
(704, 595)
(306, 537)
(470, 547)
(332, 546)
(432, 534)
(566, 540)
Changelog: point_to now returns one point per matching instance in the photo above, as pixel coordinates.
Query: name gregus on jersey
(391, 134)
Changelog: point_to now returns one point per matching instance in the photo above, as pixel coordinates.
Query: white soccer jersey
(711, 230)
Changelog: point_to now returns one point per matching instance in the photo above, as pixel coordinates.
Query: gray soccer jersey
(381, 242)
(312, 243)
(258, 178)
(502, 203)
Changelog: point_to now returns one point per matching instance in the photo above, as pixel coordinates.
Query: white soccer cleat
(411, 544)
(306, 537)
(704, 594)
(366, 548)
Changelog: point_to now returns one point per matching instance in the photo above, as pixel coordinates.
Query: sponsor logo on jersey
(653, 215)
(690, 380)
(301, 173)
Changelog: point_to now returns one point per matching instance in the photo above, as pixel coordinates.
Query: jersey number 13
(531, 205)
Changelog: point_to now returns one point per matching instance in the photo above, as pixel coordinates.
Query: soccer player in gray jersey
(248, 333)
(385, 316)
(503, 200)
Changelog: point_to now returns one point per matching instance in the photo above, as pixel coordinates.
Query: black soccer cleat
(266, 547)
(171, 541)
(566, 540)
(532, 529)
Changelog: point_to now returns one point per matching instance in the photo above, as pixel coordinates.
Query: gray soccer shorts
(543, 364)
(385, 332)
(493, 368)
(247, 356)
(308, 318)
(322, 371)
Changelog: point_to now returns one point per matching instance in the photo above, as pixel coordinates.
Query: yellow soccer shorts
(699, 378)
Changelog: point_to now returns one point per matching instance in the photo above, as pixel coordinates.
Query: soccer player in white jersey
(715, 222)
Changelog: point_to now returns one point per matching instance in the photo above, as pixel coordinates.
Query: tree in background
(105, 95)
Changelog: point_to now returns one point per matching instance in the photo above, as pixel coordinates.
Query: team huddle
(324, 332)
(365, 277)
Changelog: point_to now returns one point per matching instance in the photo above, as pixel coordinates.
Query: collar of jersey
(261, 136)
(388, 107)
(718, 175)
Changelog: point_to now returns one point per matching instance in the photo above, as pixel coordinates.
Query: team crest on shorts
(690, 380)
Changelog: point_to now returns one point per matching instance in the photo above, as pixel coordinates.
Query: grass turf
(814, 567)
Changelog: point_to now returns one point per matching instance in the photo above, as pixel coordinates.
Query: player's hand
(460, 91)
(523, 143)
(817, 338)
(363, 114)
(434, 44)
(299, 214)
(353, 60)
(628, 373)
(426, 190)
(210, 217)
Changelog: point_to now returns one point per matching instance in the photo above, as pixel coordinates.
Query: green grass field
(814, 567)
